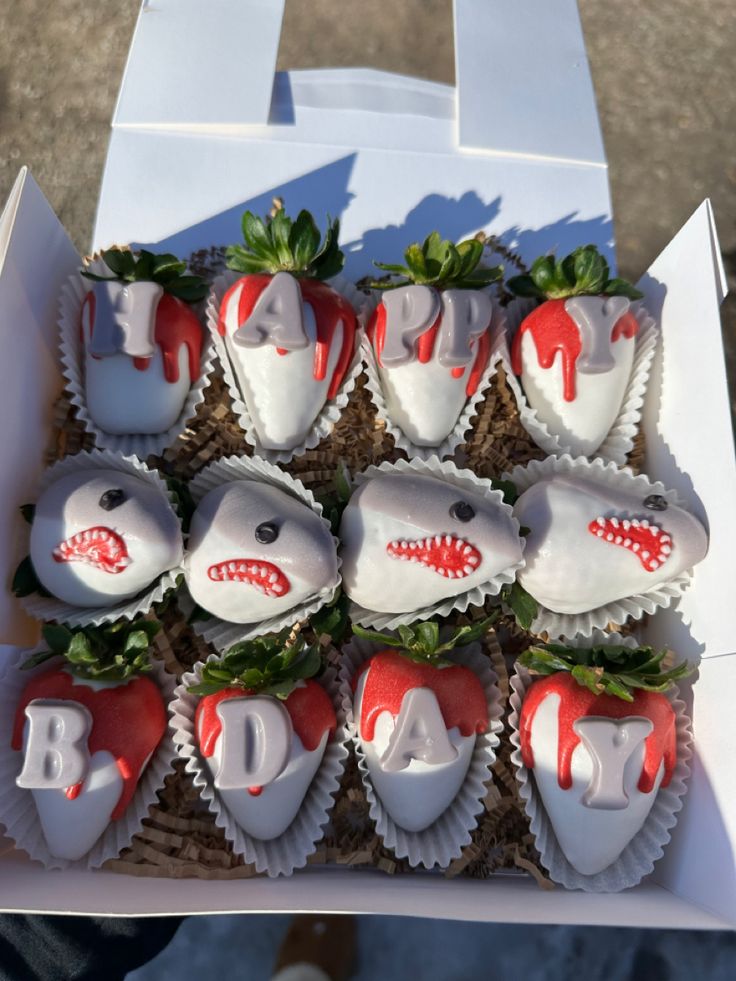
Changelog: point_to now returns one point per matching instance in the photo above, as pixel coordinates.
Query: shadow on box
(326, 192)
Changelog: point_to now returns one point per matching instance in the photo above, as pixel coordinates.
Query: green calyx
(421, 641)
(112, 652)
(614, 670)
(270, 665)
(166, 270)
(440, 263)
(279, 244)
(582, 273)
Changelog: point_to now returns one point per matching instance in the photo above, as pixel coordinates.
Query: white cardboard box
(394, 157)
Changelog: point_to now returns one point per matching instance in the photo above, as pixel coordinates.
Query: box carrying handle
(523, 83)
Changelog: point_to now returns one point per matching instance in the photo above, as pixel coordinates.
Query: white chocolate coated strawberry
(410, 540)
(101, 535)
(418, 794)
(142, 350)
(590, 544)
(575, 358)
(289, 350)
(592, 835)
(431, 348)
(255, 552)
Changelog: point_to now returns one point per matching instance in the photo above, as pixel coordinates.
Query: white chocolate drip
(256, 742)
(410, 311)
(56, 754)
(420, 733)
(466, 315)
(610, 743)
(125, 319)
(277, 317)
(595, 318)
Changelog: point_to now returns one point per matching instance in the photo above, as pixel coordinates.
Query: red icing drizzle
(329, 308)
(626, 326)
(554, 331)
(425, 347)
(176, 324)
(309, 707)
(128, 721)
(577, 702)
(648, 542)
(459, 693)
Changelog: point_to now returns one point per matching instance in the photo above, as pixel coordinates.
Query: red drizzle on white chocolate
(100, 547)
(644, 539)
(264, 576)
(451, 557)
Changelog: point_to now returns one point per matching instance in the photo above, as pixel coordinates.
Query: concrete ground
(663, 71)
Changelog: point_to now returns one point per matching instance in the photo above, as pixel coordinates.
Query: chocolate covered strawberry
(87, 727)
(592, 542)
(601, 740)
(417, 717)
(575, 351)
(142, 340)
(431, 335)
(289, 336)
(262, 726)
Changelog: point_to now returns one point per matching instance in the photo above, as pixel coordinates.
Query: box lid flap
(36, 257)
(532, 54)
(688, 395)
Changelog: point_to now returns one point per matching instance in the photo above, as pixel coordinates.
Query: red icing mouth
(100, 547)
(265, 576)
(646, 540)
(451, 557)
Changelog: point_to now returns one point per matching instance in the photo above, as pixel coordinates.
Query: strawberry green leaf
(507, 488)
(332, 620)
(257, 237)
(584, 272)
(440, 263)
(144, 266)
(620, 287)
(35, 659)
(521, 604)
(121, 262)
(25, 581)
(29, 512)
(304, 239)
(428, 635)
(57, 637)
(525, 286)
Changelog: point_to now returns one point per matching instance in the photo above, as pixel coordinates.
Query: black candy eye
(266, 533)
(655, 502)
(112, 498)
(462, 511)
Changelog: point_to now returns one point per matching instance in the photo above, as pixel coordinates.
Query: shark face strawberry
(102, 535)
(255, 552)
(87, 728)
(431, 336)
(411, 540)
(142, 341)
(289, 336)
(591, 544)
(417, 716)
(262, 726)
(600, 739)
(575, 351)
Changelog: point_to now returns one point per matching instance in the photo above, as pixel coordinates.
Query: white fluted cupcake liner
(466, 480)
(464, 423)
(330, 412)
(51, 608)
(17, 808)
(619, 441)
(142, 445)
(282, 855)
(222, 633)
(639, 856)
(443, 841)
(617, 612)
